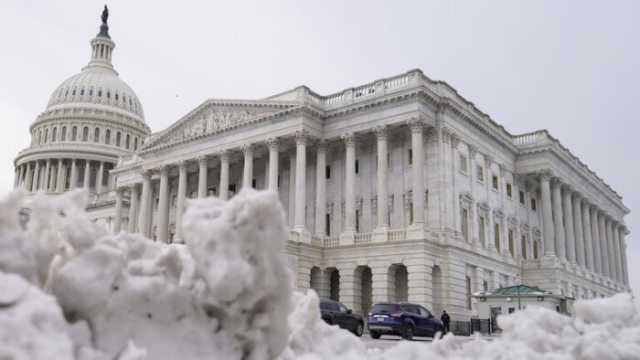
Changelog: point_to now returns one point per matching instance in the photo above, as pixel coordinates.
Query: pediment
(215, 116)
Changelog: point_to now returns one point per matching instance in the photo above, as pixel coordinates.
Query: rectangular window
(232, 188)
(327, 224)
(482, 230)
(411, 213)
(524, 247)
(357, 166)
(463, 163)
(254, 184)
(522, 197)
(480, 172)
(496, 230)
(464, 221)
(327, 172)
(494, 182)
(278, 180)
(357, 221)
(509, 190)
(389, 160)
(534, 207)
(511, 244)
(410, 156)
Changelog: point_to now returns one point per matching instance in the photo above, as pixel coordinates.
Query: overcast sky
(567, 66)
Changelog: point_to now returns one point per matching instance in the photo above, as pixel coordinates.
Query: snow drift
(69, 290)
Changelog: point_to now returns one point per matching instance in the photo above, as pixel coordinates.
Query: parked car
(335, 313)
(403, 319)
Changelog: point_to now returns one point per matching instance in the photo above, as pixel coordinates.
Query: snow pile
(227, 292)
(69, 290)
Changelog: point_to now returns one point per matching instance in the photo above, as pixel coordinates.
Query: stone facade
(397, 190)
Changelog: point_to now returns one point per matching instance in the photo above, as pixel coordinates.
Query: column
(73, 181)
(99, 178)
(16, 179)
(21, 169)
(133, 208)
(569, 228)
(182, 193)
(145, 205)
(247, 172)
(321, 188)
(60, 177)
(291, 190)
(163, 205)
(224, 175)
(604, 250)
(586, 231)
(613, 266)
(87, 174)
(595, 239)
(29, 177)
(557, 219)
(301, 180)
(272, 144)
(577, 223)
(623, 248)
(350, 173)
(547, 218)
(381, 135)
(47, 174)
(619, 249)
(418, 172)
(202, 177)
(117, 224)
(35, 185)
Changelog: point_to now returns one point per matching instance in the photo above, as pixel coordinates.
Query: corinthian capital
(546, 175)
(349, 139)
(272, 143)
(302, 137)
(247, 149)
(382, 132)
(416, 124)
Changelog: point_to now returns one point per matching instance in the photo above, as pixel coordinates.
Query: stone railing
(331, 241)
(376, 88)
(529, 139)
(316, 240)
(363, 238)
(397, 235)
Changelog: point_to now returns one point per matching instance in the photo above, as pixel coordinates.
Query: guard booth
(506, 300)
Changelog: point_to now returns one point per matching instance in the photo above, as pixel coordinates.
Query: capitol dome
(92, 120)
(97, 85)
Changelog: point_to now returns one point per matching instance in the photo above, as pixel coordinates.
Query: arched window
(135, 144)
(126, 142)
(535, 249)
(46, 135)
(74, 133)
(85, 134)
(39, 136)
(96, 135)
(468, 291)
(107, 136)
(54, 134)
(118, 136)
(63, 135)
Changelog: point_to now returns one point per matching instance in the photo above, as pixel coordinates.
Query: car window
(424, 312)
(384, 308)
(410, 309)
(343, 309)
(325, 306)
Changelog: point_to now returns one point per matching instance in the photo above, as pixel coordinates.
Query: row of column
(302, 140)
(580, 232)
(52, 175)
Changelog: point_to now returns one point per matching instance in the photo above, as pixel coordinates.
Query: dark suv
(335, 313)
(402, 319)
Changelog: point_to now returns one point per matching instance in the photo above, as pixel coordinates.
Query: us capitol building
(396, 190)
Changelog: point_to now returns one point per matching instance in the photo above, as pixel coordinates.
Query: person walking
(445, 321)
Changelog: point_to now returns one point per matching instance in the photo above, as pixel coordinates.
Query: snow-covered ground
(69, 290)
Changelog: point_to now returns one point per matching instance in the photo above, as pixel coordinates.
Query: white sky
(568, 66)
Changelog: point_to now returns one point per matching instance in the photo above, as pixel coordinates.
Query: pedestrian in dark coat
(445, 321)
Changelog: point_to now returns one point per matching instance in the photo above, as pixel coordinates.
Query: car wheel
(374, 334)
(359, 330)
(408, 332)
